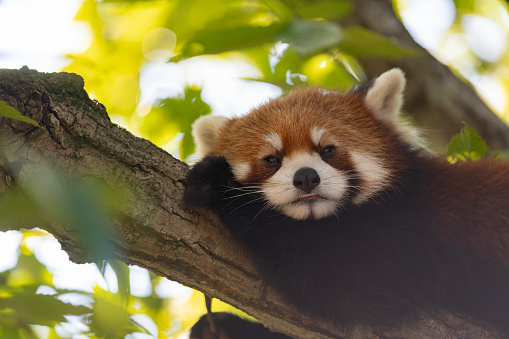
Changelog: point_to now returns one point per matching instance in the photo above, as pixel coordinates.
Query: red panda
(348, 217)
(228, 326)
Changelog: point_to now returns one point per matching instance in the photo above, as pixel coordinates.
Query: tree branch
(152, 229)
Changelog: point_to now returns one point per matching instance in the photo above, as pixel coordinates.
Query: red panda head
(312, 151)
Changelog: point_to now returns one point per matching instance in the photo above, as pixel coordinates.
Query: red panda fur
(471, 204)
(405, 230)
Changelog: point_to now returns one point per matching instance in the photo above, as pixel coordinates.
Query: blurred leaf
(110, 318)
(139, 326)
(310, 36)
(126, 1)
(465, 5)
(175, 115)
(282, 62)
(279, 8)
(17, 210)
(326, 9)
(47, 199)
(323, 70)
(467, 145)
(23, 307)
(240, 25)
(83, 206)
(213, 41)
(28, 271)
(361, 42)
(12, 113)
(122, 272)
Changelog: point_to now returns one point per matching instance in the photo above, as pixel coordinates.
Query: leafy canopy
(131, 35)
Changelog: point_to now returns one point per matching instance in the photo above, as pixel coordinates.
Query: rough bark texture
(153, 229)
(437, 99)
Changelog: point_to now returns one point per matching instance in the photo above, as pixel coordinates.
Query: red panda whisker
(247, 203)
(243, 194)
(242, 188)
(265, 207)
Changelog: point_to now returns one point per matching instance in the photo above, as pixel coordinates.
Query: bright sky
(39, 33)
(488, 39)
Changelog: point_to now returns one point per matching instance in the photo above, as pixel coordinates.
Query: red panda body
(346, 215)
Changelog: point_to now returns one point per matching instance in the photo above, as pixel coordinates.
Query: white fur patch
(374, 177)
(385, 97)
(282, 194)
(205, 130)
(241, 171)
(275, 140)
(316, 134)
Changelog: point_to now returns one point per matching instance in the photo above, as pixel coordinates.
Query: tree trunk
(152, 229)
(438, 100)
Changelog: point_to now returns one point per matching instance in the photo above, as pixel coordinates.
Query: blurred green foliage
(129, 35)
(29, 300)
(165, 119)
(291, 43)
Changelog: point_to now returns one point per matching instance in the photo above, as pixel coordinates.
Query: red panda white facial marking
(241, 170)
(284, 194)
(275, 140)
(316, 134)
(374, 175)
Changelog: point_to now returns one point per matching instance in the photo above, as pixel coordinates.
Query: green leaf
(174, 115)
(361, 42)
(23, 307)
(18, 210)
(467, 145)
(122, 272)
(466, 5)
(279, 8)
(307, 37)
(328, 9)
(324, 70)
(84, 206)
(278, 67)
(12, 113)
(220, 40)
(110, 318)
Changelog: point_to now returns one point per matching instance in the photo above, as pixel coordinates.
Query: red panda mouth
(308, 197)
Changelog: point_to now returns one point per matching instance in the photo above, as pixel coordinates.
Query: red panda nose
(306, 179)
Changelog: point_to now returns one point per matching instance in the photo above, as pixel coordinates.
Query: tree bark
(152, 229)
(438, 101)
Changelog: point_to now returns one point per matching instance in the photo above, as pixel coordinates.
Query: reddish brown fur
(471, 206)
(343, 115)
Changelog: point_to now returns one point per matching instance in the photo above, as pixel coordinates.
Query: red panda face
(306, 183)
(312, 151)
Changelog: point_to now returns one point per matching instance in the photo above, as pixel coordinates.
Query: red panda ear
(205, 130)
(385, 96)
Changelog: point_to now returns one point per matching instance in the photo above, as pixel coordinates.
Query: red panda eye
(271, 160)
(328, 151)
